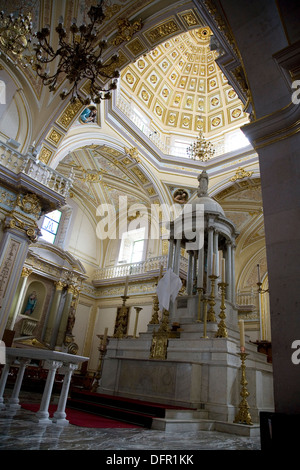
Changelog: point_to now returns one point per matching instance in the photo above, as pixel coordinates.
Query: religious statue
(31, 303)
(203, 184)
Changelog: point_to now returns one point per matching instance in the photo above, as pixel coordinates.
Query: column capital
(26, 226)
(59, 285)
(26, 272)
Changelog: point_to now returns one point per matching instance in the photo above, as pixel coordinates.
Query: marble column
(170, 253)
(189, 284)
(228, 258)
(61, 319)
(59, 416)
(210, 250)
(13, 252)
(233, 273)
(200, 271)
(3, 380)
(176, 263)
(42, 416)
(24, 276)
(59, 286)
(13, 402)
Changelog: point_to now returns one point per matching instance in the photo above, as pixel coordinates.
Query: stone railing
(53, 362)
(247, 299)
(152, 265)
(33, 168)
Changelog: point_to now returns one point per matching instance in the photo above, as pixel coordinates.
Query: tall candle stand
(222, 330)
(211, 313)
(122, 318)
(155, 319)
(159, 343)
(137, 309)
(200, 294)
(243, 415)
(102, 350)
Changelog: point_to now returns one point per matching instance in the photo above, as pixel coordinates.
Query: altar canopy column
(200, 271)
(170, 253)
(233, 273)
(228, 258)
(210, 250)
(216, 253)
(190, 274)
(176, 263)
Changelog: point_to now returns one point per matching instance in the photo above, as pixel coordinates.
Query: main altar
(194, 353)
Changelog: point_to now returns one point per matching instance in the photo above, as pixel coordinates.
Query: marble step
(192, 425)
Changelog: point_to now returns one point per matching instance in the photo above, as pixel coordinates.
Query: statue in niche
(203, 184)
(89, 114)
(180, 196)
(31, 303)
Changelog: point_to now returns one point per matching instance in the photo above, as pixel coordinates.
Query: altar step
(122, 409)
(187, 421)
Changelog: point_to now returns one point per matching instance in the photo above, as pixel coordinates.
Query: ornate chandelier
(15, 34)
(201, 149)
(79, 59)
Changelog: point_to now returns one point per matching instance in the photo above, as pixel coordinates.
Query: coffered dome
(179, 87)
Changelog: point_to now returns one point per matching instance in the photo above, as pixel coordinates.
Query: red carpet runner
(84, 420)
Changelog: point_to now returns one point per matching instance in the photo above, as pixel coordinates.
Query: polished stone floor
(20, 432)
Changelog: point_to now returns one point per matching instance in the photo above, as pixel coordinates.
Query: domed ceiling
(181, 89)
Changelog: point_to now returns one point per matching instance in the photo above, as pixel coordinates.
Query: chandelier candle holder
(201, 149)
(15, 34)
(77, 60)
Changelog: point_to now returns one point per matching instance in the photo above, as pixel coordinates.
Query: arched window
(132, 246)
(50, 226)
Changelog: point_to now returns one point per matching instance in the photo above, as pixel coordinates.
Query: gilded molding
(126, 30)
(241, 174)
(30, 204)
(45, 155)
(162, 31)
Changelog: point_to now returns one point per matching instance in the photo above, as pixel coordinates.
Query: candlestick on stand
(155, 319)
(121, 319)
(211, 313)
(102, 350)
(222, 330)
(243, 416)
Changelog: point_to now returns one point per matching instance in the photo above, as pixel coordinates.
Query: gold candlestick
(122, 318)
(102, 349)
(155, 319)
(243, 415)
(138, 309)
(160, 338)
(211, 313)
(222, 330)
(200, 292)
